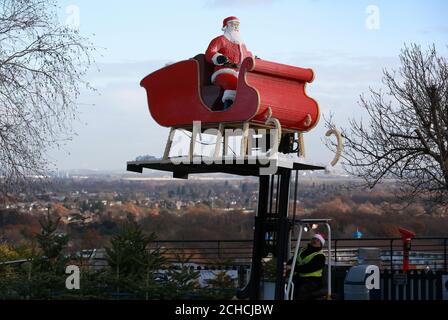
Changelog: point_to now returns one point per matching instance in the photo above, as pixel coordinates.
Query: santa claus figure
(227, 52)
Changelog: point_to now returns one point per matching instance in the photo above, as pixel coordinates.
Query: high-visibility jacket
(305, 260)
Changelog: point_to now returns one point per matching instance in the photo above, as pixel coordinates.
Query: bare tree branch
(406, 134)
(42, 69)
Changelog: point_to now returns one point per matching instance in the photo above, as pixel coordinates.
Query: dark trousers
(306, 288)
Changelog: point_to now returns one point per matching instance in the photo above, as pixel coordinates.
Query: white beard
(233, 36)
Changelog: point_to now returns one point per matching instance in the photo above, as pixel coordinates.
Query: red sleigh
(268, 95)
(182, 93)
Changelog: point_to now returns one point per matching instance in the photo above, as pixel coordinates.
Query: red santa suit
(223, 76)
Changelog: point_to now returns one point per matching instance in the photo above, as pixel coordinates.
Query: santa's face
(234, 26)
(232, 32)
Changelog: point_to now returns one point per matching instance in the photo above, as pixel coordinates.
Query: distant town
(92, 205)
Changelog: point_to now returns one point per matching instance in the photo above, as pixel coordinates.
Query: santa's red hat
(229, 19)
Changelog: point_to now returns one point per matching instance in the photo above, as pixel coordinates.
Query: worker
(308, 271)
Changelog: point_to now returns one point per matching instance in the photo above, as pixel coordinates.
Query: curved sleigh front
(182, 93)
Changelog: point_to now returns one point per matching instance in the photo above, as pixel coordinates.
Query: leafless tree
(406, 135)
(42, 66)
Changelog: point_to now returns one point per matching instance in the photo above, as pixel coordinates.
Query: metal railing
(207, 252)
(426, 252)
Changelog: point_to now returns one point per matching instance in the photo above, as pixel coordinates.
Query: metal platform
(247, 166)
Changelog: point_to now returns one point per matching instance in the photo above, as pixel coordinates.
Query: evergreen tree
(181, 282)
(128, 249)
(44, 276)
(51, 243)
(134, 268)
(221, 287)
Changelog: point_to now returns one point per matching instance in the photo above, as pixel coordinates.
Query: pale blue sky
(139, 37)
